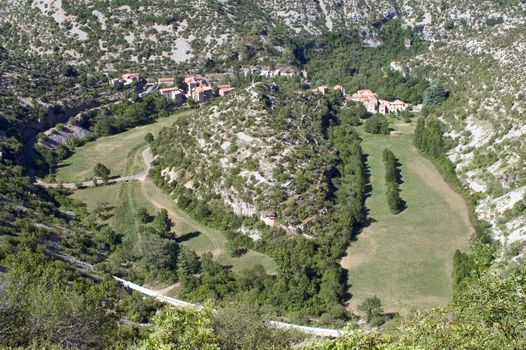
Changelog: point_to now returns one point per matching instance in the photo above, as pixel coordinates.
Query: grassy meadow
(114, 151)
(122, 153)
(406, 259)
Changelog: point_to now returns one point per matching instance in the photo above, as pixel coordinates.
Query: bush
(434, 95)
(373, 310)
(149, 137)
(377, 124)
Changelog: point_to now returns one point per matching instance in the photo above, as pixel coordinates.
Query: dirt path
(407, 259)
(168, 289)
(141, 177)
(146, 155)
(188, 221)
(429, 174)
(427, 171)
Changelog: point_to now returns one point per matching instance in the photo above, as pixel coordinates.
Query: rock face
(486, 75)
(163, 32)
(261, 152)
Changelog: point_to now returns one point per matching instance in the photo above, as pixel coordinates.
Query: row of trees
(392, 179)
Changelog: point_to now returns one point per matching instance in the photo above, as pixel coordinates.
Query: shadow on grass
(400, 181)
(188, 236)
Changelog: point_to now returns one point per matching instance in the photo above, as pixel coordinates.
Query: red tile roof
(168, 89)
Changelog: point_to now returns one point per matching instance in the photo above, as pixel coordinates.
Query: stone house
(174, 94)
(202, 93)
(129, 78)
(367, 98)
(166, 81)
(224, 90)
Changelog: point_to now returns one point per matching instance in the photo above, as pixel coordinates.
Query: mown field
(113, 151)
(125, 199)
(406, 259)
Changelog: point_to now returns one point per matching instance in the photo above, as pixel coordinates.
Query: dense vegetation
(346, 60)
(117, 117)
(309, 280)
(377, 124)
(51, 296)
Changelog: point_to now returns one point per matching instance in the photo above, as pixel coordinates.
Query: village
(368, 98)
(201, 89)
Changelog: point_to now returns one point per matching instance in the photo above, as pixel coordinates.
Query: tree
(393, 198)
(149, 137)
(42, 303)
(187, 263)
(239, 327)
(100, 170)
(162, 223)
(391, 181)
(143, 216)
(182, 329)
(158, 255)
(373, 310)
(377, 124)
(51, 160)
(434, 95)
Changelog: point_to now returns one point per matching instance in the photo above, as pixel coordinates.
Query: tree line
(392, 180)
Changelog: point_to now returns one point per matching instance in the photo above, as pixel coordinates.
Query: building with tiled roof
(166, 81)
(202, 93)
(224, 90)
(174, 94)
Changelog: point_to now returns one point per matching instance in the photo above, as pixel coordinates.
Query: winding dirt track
(142, 176)
(188, 221)
(146, 155)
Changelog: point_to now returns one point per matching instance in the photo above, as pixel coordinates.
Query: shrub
(377, 124)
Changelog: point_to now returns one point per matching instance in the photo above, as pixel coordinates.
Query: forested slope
(261, 152)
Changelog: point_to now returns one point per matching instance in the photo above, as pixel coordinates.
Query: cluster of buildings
(195, 87)
(268, 72)
(374, 105)
(368, 98)
(324, 89)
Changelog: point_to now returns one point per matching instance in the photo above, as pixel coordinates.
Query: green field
(114, 151)
(125, 199)
(406, 259)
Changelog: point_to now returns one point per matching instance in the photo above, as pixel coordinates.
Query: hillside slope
(486, 122)
(261, 152)
(109, 34)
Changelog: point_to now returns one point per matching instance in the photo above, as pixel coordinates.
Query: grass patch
(113, 151)
(406, 259)
(126, 199)
(201, 238)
